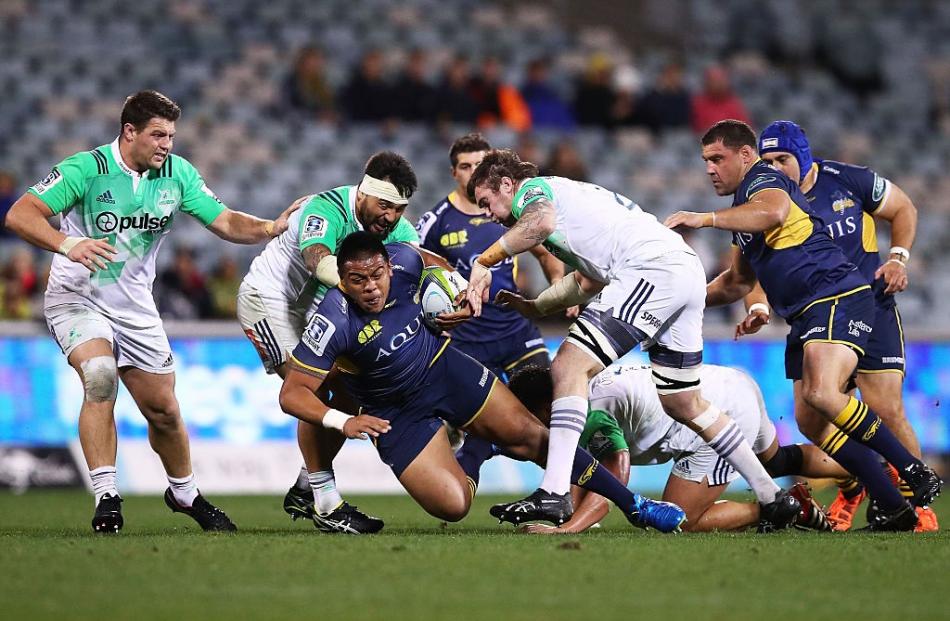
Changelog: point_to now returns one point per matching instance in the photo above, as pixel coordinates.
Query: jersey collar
(352, 206)
(117, 156)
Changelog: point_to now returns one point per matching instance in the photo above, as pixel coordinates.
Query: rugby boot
(923, 481)
(539, 506)
(778, 514)
(298, 503)
(842, 510)
(811, 516)
(108, 517)
(347, 519)
(208, 516)
(665, 517)
(901, 519)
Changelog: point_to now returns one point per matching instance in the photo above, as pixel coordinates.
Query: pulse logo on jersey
(108, 222)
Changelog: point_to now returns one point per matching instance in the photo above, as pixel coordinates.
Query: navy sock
(474, 452)
(863, 463)
(864, 426)
(588, 473)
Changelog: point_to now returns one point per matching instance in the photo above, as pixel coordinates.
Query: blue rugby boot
(665, 517)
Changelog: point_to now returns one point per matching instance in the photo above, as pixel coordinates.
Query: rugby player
(827, 302)
(410, 380)
(626, 425)
(850, 200)
(458, 230)
(118, 202)
(650, 289)
(283, 287)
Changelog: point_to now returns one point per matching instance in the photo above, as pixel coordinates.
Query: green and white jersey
(280, 272)
(99, 196)
(628, 395)
(598, 231)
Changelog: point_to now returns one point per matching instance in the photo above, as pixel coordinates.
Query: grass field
(162, 567)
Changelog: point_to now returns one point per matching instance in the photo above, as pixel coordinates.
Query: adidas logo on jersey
(106, 197)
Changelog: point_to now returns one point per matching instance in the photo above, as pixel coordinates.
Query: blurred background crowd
(289, 97)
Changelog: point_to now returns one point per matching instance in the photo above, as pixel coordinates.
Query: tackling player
(283, 287)
(626, 425)
(458, 230)
(850, 199)
(650, 289)
(118, 202)
(826, 301)
(411, 380)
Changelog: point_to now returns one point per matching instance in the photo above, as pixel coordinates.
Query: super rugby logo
(108, 222)
(407, 334)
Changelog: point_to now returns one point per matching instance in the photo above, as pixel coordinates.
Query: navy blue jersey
(846, 197)
(796, 262)
(384, 356)
(461, 238)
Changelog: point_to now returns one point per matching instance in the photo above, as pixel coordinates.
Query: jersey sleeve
(406, 259)
(63, 187)
(404, 232)
(531, 191)
(197, 199)
(602, 435)
(321, 222)
(871, 187)
(324, 338)
(428, 237)
(766, 180)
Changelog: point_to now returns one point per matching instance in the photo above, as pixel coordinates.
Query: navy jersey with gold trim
(796, 262)
(384, 356)
(845, 197)
(461, 238)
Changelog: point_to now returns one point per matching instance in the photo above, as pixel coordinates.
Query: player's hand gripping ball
(439, 291)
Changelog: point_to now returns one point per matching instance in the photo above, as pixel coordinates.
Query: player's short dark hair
(499, 163)
(359, 245)
(394, 168)
(733, 134)
(144, 106)
(469, 143)
(534, 387)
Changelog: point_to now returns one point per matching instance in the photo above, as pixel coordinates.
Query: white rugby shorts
(271, 324)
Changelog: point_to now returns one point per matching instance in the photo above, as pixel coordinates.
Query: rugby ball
(438, 289)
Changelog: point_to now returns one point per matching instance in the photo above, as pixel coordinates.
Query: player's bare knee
(453, 507)
(163, 417)
(100, 378)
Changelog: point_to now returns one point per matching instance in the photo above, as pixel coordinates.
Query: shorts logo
(106, 197)
(318, 333)
(51, 180)
(650, 319)
(484, 379)
(855, 326)
(584, 478)
(315, 226)
(168, 361)
(369, 332)
(892, 360)
(815, 330)
(683, 466)
(871, 430)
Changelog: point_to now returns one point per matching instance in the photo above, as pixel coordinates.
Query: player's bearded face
(726, 166)
(497, 203)
(378, 216)
(150, 147)
(784, 163)
(366, 281)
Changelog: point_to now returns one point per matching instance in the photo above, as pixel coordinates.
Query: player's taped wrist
(493, 255)
(335, 419)
(901, 252)
(269, 228)
(69, 243)
(760, 307)
(564, 293)
(327, 272)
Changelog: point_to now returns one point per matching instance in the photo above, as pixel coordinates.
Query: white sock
(103, 482)
(732, 446)
(326, 498)
(568, 415)
(303, 483)
(185, 490)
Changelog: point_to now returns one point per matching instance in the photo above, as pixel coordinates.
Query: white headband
(382, 189)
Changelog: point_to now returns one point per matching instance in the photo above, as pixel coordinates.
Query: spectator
(547, 108)
(8, 196)
(455, 102)
(223, 287)
(595, 97)
(498, 102)
(666, 105)
(307, 87)
(716, 102)
(367, 96)
(566, 161)
(18, 284)
(182, 290)
(529, 150)
(416, 98)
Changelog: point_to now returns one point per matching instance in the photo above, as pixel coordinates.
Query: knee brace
(786, 461)
(100, 379)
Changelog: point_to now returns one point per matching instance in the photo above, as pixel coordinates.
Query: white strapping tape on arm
(69, 243)
(565, 293)
(335, 419)
(327, 271)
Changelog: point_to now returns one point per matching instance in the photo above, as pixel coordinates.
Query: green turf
(162, 567)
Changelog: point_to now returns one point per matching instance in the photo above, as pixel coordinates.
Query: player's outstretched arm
(757, 312)
(733, 284)
(570, 291)
(28, 218)
(767, 209)
(554, 271)
(902, 214)
(243, 228)
(298, 398)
